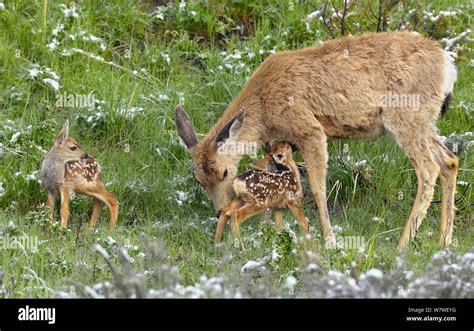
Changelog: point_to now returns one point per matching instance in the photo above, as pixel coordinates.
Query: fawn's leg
(64, 192)
(241, 214)
(111, 202)
(50, 201)
(95, 212)
(299, 214)
(267, 214)
(448, 163)
(101, 193)
(220, 227)
(315, 156)
(413, 135)
(225, 213)
(279, 219)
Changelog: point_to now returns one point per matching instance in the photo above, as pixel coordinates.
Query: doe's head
(215, 167)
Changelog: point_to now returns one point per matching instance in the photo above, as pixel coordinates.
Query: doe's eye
(198, 181)
(73, 148)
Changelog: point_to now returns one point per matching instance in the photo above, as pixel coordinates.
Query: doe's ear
(232, 128)
(185, 127)
(63, 134)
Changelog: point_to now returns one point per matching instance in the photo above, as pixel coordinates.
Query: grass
(198, 56)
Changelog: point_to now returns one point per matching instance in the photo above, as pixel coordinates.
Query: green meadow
(117, 69)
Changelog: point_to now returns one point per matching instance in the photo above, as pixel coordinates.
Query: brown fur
(259, 191)
(331, 91)
(66, 168)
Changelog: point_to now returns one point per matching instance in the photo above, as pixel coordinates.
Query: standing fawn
(67, 169)
(258, 191)
(268, 164)
(350, 88)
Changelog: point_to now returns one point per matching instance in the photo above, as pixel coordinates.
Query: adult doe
(340, 89)
(66, 169)
(257, 191)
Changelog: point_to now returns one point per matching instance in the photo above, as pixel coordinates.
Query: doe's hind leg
(413, 135)
(448, 163)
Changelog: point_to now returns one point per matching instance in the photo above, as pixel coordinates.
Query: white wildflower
(94, 38)
(252, 265)
(275, 255)
(166, 57)
(57, 29)
(34, 72)
(54, 84)
(69, 12)
(163, 97)
(182, 197)
(111, 241)
(290, 282)
(15, 136)
(374, 273)
(313, 15)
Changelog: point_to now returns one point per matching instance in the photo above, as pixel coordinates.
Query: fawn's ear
(63, 134)
(185, 127)
(262, 164)
(232, 128)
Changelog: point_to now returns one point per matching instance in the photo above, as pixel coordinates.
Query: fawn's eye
(73, 148)
(224, 175)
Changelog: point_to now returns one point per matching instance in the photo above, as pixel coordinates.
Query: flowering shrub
(448, 275)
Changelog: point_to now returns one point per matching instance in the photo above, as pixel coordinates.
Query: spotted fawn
(257, 191)
(67, 169)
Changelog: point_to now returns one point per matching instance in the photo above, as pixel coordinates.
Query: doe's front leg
(316, 158)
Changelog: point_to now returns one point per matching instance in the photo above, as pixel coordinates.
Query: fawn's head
(214, 167)
(280, 154)
(66, 148)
